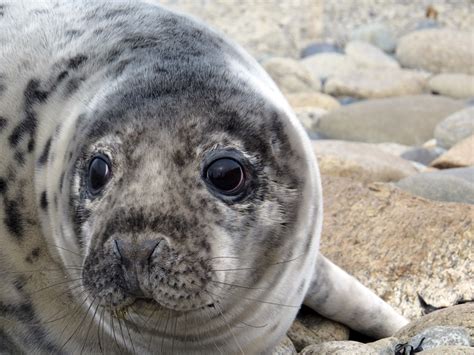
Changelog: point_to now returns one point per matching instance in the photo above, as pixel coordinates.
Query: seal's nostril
(117, 249)
(132, 253)
(153, 251)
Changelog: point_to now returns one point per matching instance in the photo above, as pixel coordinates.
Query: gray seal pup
(157, 194)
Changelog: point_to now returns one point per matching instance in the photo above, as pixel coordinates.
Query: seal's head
(188, 193)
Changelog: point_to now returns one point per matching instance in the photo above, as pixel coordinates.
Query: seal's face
(185, 210)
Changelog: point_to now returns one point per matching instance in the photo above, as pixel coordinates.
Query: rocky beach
(385, 90)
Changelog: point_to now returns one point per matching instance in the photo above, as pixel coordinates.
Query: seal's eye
(226, 175)
(99, 174)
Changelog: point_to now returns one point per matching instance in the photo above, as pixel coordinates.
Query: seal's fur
(159, 94)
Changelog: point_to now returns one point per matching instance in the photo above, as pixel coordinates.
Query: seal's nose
(135, 253)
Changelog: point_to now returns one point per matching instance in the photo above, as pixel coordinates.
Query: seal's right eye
(99, 174)
(226, 175)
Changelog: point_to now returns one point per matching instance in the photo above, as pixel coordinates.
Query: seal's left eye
(226, 175)
(99, 174)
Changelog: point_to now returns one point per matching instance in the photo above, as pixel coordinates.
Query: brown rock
(310, 328)
(267, 28)
(399, 245)
(376, 83)
(451, 350)
(360, 161)
(339, 348)
(462, 154)
(458, 316)
(312, 99)
(384, 346)
(285, 347)
(407, 120)
(290, 75)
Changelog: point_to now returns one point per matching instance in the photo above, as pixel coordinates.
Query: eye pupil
(226, 175)
(99, 174)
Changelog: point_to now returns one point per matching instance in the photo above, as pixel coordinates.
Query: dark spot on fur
(74, 33)
(61, 76)
(179, 159)
(76, 61)
(32, 95)
(33, 256)
(3, 122)
(72, 85)
(3, 185)
(13, 218)
(61, 182)
(44, 201)
(31, 144)
(44, 155)
(20, 157)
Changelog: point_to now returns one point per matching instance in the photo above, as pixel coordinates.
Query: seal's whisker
(257, 300)
(79, 326)
(121, 331)
(113, 330)
(129, 335)
(65, 249)
(132, 323)
(89, 327)
(99, 329)
(164, 331)
(225, 321)
(253, 326)
(210, 321)
(174, 334)
(238, 286)
(54, 285)
(263, 266)
(37, 270)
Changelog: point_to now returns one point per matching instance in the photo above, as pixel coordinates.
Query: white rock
(376, 83)
(455, 128)
(438, 51)
(325, 65)
(378, 34)
(455, 85)
(369, 56)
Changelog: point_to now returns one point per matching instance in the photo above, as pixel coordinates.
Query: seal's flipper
(337, 295)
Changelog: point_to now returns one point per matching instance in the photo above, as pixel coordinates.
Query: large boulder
(339, 348)
(438, 51)
(457, 316)
(407, 120)
(399, 245)
(454, 85)
(439, 187)
(461, 155)
(376, 83)
(360, 161)
(455, 128)
(269, 28)
(290, 75)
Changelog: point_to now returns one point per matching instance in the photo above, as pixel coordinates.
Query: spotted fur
(158, 93)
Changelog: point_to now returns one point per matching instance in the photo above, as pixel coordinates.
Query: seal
(157, 193)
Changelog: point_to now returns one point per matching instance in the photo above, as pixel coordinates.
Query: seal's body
(156, 192)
